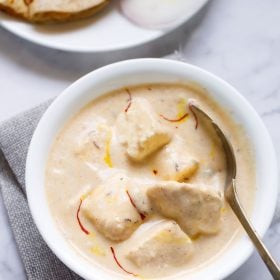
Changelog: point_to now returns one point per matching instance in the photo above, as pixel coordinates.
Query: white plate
(106, 31)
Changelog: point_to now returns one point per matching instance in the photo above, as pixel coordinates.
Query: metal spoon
(232, 196)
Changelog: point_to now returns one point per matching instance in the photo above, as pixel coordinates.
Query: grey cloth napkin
(39, 261)
(15, 135)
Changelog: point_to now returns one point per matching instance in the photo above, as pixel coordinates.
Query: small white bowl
(135, 72)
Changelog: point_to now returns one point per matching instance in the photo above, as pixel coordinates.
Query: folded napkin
(39, 261)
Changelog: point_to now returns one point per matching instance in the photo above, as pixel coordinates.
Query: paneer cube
(164, 244)
(138, 192)
(110, 210)
(175, 163)
(141, 130)
(183, 168)
(90, 145)
(196, 209)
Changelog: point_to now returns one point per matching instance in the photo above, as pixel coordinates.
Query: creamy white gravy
(77, 165)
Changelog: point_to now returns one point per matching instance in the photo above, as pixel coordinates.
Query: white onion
(159, 14)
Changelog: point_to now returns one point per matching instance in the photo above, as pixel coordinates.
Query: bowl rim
(76, 89)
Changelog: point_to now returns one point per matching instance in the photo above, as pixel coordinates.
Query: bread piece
(15, 7)
(63, 10)
(45, 11)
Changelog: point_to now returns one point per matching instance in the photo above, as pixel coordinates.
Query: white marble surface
(237, 40)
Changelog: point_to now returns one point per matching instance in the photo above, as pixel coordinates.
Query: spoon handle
(232, 198)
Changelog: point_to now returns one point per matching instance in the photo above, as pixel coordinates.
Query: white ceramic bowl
(133, 72)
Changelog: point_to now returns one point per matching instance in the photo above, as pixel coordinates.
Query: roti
(44, 11)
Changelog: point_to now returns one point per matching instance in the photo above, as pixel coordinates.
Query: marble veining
(237, 40)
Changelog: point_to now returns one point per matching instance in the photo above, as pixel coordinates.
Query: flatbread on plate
(44, 11)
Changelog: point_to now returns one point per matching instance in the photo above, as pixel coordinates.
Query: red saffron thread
(143, 217)
(194, 114)
(118, 263)
(78, 218)
(175, 120)
(133, 204)
(129, 100)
